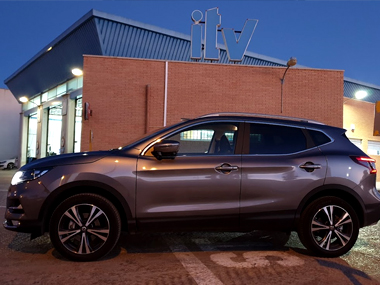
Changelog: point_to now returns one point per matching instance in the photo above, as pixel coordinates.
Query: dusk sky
(343, 35)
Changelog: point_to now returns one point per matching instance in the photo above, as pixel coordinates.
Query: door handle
(226, 168)
(310, 167)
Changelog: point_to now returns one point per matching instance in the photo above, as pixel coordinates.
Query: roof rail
(258, 115)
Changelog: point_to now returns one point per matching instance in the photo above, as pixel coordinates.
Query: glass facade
(54, 131)
(31, 153)
(47, 127)
(78, 124)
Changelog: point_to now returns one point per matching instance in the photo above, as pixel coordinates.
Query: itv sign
(235, 46)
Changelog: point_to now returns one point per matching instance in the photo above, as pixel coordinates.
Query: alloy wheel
(332, 227)
(83, 228)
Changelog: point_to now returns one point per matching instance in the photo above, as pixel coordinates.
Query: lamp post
(291, 62)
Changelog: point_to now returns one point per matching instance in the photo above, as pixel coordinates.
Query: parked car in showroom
(218, 172)
(8, 163)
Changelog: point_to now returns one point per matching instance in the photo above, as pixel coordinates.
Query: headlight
(28, 175)
(3, 161)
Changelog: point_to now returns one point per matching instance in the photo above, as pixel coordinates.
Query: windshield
(144, 137)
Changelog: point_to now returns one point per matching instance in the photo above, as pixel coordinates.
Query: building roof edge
(370, 85)
(73, 27)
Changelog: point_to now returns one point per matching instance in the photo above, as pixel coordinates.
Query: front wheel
(10, 166)
(85, 227)
(329, 227)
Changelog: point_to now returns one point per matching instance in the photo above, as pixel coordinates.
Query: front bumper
(23, 208)
(34, 227)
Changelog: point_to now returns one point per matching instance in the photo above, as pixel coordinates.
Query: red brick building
(127, 96)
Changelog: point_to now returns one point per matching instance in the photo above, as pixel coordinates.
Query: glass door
(54, 131)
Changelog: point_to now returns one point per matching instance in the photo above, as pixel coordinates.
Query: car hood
(67, 159)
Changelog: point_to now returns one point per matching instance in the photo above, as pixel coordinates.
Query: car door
(199, 188)
(280, 165)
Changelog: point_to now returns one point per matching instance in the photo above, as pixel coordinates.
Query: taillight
(366, 162)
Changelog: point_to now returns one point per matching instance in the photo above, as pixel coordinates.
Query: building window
(31, 153)
(357, 142)
(54, 131)
(78, 124)
(373, 148)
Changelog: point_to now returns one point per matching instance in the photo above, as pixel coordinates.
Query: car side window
(207, 139)
(275, 139)
(319, 138)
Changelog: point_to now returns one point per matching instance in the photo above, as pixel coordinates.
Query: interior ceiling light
(361, 94)
(77, 72)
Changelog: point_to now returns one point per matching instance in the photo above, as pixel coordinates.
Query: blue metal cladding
(123, 40)
(350, 88)
(53, 67)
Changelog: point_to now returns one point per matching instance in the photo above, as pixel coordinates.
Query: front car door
(200, 187)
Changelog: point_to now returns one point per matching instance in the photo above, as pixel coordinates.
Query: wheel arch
(339, 191)
(71, 189)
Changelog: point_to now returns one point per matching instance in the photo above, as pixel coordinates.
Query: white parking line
(198, 271)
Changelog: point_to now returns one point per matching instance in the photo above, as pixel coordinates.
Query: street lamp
(291, 62)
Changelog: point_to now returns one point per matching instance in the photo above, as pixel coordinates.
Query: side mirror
(166, 149)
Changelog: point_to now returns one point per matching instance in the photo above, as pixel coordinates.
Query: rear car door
(280, 165)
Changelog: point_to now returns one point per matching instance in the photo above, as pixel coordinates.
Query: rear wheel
(85, 227)
(329, 227)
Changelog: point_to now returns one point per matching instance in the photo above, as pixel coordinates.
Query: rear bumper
(372, 214)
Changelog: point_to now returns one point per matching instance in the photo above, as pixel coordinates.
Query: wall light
(361, 94)
(23, 99)
(77, 72)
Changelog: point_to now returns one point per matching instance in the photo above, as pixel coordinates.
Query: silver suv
(219, 172)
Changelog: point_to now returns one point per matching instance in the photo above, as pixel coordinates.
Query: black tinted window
(272, 139)
(319, 138)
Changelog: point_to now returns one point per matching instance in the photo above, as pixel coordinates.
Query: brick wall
(117, 93)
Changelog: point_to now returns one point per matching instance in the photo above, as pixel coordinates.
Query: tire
(329, 227)
(10, 166)
(85, 227)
